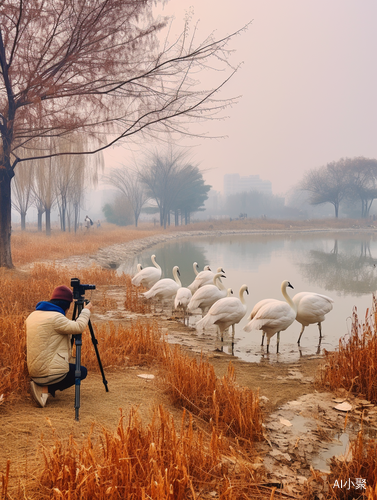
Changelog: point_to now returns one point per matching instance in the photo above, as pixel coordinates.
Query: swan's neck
(195, 267)
(217, 281)
(176, 277)
(242, 299)
(287, 297)
(154, 262)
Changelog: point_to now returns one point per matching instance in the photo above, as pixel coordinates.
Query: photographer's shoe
(39, 397)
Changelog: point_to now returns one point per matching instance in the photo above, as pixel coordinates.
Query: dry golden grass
(32, 246)
(157, 462)
(232, 409)
(354, 366)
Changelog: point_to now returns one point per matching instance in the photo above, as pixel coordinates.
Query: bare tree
(362, 180)
(22, 192)
(174, 183)
(93, 66)
(327, 184)
(127, 181)
(44, 191)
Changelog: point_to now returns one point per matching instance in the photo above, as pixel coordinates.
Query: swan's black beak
(290, 286)
(223, 276)
(222, 270)
(247, 291)
(178, 272)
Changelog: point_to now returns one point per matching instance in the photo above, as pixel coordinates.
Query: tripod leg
(95, 342)
(78, 342)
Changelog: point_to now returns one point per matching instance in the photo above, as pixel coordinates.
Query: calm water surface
(340, 265)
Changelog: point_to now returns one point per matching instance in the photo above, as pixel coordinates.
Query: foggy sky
(308, 84)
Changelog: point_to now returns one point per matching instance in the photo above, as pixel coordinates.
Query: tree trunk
(23, 221)
(40, 213)
(48, 222)
(5, 219)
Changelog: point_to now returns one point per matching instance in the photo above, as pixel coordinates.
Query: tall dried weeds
(230, 408)
(156, 462)
(354, 366)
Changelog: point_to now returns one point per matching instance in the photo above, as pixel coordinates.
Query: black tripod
(78, 306)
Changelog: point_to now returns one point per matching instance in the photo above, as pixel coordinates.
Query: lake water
(340, 265)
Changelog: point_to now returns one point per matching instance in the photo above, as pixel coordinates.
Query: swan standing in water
(204, 278)
(225, 312)
(181, 301)
(148, 276)
(207, 295)
(166, 288)
(311, 308)
(273, 316)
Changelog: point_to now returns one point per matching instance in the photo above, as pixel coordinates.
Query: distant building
(234, 183)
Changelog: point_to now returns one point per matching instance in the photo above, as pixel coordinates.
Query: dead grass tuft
(156, 462)
(231, 409)
(354, 366)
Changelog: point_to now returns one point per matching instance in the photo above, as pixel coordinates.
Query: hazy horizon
(307, 82)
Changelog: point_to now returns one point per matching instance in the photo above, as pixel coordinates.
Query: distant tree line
(348, 180)
(170, 184)
(58, 181)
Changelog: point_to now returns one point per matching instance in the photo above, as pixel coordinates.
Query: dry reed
(153, 462)
(232, 409)
(354, 366)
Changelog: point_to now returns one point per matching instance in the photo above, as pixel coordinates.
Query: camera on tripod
(78, 289)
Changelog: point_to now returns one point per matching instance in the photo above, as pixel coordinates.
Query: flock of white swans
(219, 308)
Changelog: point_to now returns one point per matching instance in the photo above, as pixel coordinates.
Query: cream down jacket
(48, 335)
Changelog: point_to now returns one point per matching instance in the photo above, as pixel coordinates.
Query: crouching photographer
(49, 346)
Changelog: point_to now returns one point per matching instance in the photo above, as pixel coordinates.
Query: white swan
(203, 278)
(273, 316)
(166, 288)
(225, 312)
(196, 267)
(148, 276)
(139, 267)
(181, 301)
(311, 308)
(207, 295)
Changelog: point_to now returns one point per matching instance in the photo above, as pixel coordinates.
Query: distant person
(48, 345)
(98, 223)
(88, 222)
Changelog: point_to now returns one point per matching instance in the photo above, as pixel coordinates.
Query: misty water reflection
(341, 265)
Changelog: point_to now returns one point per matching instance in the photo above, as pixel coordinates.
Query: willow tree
(93, 66)
(22, 193)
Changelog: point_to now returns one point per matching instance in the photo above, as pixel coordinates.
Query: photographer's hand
(88, 306)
